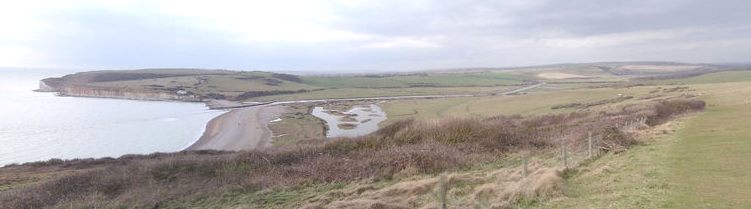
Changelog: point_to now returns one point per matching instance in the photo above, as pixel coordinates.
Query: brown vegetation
(418, 146)
(592, 104)
(252, 94)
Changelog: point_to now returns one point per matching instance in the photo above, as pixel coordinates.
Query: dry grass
(559, 75)
(416, 147)
(500, 188)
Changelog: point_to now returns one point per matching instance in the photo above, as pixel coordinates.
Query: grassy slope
(702, 165)
(711, 162)
(637, 178)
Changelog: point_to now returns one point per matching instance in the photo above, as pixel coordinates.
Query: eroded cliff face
(124, 93)
(46, 86)
(113, 92)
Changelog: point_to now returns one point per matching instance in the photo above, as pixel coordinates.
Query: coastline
(251, 119)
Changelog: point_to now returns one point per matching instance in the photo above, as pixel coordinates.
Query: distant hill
(208, 84)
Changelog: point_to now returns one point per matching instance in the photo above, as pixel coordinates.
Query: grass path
(711, 166)
(636, 178)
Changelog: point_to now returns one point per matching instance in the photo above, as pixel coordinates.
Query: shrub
(615, 140)
(668, 108)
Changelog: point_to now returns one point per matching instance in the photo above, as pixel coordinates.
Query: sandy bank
(239, 129)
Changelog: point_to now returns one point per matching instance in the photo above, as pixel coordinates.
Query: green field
(720, 77)
(535, 102)
(341, 93)
(426, 79)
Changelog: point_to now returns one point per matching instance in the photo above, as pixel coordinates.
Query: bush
(666, 109)
(615, 140)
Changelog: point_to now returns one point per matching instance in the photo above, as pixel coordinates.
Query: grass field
(720, 77)
(339, 93)
(453, 79)
(535, 102)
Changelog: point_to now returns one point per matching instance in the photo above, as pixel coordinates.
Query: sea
(36, 126)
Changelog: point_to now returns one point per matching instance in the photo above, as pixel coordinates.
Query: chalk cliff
(83, 90)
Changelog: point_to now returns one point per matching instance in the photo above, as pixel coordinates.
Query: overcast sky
(384, 35)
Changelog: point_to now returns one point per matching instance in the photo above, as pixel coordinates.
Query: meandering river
(362, 120)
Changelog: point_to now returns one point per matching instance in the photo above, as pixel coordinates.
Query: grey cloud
(466, 33)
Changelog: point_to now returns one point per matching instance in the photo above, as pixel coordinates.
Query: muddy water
(367, 120)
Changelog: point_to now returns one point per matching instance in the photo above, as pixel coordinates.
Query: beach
(239, 129)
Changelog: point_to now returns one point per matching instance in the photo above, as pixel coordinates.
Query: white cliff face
(44, 87)
(113, 92)
(123, 93)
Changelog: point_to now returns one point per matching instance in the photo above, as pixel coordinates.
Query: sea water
(37, 126)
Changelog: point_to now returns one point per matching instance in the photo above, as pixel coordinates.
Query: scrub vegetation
(407, 147)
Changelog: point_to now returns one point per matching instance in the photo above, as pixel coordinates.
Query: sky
(368, 35)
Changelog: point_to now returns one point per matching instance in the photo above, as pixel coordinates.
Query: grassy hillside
(717, 144)
(404, 157)
(698, 162)
(264, 86)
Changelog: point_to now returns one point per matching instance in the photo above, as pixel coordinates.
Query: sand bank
(239, 129)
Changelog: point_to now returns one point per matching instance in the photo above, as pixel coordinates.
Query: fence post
(442, 189)
(589, 150)
(565, 153)
(525, 162)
